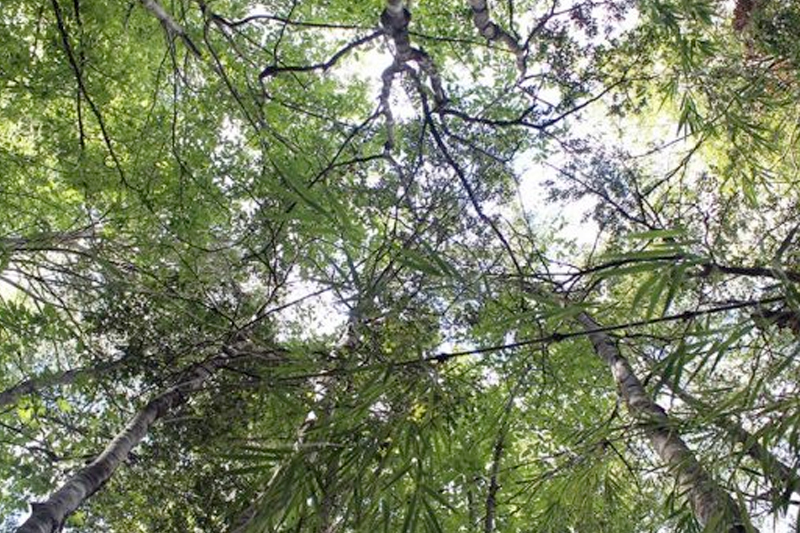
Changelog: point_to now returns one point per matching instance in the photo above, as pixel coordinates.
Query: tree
(276, 267)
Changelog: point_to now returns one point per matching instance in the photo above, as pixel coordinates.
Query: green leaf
(657, 234)
(25, 413)
(63, 405)
(417, 261)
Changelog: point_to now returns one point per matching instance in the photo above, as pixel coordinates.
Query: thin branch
(286, 21)
(172, 28)
(556, 336)
(95, 110)
(275, 69)
(34, 385)
(467, 187)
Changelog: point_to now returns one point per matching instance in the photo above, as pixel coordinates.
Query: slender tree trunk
(783, 479)
(49, 516)
(711, 504)
(255, 510)
(494, 485)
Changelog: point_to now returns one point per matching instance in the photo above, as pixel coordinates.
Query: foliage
(363, 234)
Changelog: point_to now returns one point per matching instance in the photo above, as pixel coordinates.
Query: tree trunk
(497, 454)
(711, 504)
(781, 477)
(48, 516)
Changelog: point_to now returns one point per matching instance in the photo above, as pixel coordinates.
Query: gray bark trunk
(784, 480)
(48, 516)
(395, 19)
(710, 503)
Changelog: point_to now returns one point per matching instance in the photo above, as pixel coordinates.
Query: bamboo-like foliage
(399, 266)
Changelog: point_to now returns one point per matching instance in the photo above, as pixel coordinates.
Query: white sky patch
(366, 64)
(381, 410)
(490, 377)
(533, 196)
(779, 524)
(316, 315)
(9, 281)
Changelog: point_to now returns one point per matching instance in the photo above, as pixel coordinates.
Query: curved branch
(274, 69)
(33, 385)
(492, 32)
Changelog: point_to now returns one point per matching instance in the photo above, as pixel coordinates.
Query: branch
(386, 109)
(33, 385)
(521, 119)
(556, 336)
(763, 272)
(465, 183)
(497, 454)
(286, 21)
(172, 28)
(82, 86)
(274, 69)
(492, 32)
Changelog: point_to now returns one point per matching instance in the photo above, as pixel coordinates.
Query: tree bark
(395, 19)
(494, 485)
(48, 516)
(498, 449)
(711, 505)
(784, 480)
(492, 32)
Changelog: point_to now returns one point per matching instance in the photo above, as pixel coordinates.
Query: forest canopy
(340, 267)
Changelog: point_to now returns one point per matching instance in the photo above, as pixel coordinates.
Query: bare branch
(492, 32)
(172, 28)
(274, 69)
